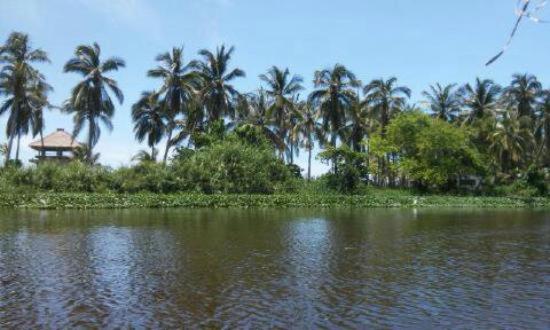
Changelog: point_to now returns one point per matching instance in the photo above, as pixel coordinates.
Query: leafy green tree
(23, 85)
(216, 91)
(179, 84)
(90, 101)
(443, 101)
(348, 174)
(149, 120)
(384, 100)
(431, 151)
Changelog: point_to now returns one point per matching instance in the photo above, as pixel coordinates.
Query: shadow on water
(275, 268)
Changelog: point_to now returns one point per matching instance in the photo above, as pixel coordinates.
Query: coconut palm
(385, 99)
(333, 96)
(22, 84)
(282, 89)
(82, 154)
(309, 128)
(90, 101)
(149, 120)
(523, 94)
(358, 125)
(258, 107)
(179, 84)
(510, 141)
(443, 101)
(143, 156)
(216, 91)
(481, 99)
(543, 129)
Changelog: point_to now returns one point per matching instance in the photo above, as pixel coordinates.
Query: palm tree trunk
(17, 149)
(91, 133)
(8, 152)
(309, 165)
(291, 152)
(168, 145)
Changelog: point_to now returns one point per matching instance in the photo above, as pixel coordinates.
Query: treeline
(370, 133)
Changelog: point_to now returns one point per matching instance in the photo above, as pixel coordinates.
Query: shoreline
(53, 200)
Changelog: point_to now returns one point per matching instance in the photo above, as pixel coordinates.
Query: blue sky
(419, 41)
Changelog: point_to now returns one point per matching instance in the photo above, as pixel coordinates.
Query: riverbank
(50, 200)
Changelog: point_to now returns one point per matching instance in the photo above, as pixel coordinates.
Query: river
(270, 268)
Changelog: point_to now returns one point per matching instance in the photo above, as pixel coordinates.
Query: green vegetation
(225, 147)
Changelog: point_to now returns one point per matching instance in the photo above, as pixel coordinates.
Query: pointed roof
(58, 140)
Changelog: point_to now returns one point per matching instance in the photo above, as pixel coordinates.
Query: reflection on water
(275, 268)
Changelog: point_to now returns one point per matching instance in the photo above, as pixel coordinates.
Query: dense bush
(145, 176)
(233, 166)
(71, 177)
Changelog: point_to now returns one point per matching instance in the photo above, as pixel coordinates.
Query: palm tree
(385, 99)
(149, 119)
(443, 101)
(282, 89)
(309, 128)
(523, 94)
(19, 81)
(358, 125)
(258, 107)
(143, 156)
(510, 141)
(180, 83)
(90, 101)
(543, 129)
(82, 154)
(216, 91)
(333, 95)
(481, 99)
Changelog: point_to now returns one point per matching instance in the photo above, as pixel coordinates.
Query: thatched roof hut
(57, 143)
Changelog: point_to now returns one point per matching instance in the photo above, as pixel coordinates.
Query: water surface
(275, 268)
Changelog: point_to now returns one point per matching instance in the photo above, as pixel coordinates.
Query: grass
(53, 200)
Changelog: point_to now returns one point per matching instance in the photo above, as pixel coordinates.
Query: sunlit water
(275, 269)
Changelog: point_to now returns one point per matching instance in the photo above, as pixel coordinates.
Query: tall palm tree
(18, 82)
(543, 129)
(216, 91)
(510, 141)
(90, 101)
(358, 125)
(523, 94)
(481, 99)
(310, 130)
(258, 107)
(385, 99)
(333, 95)
(282, 89)
(179, 85)
(443, 101)
(149, 119)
